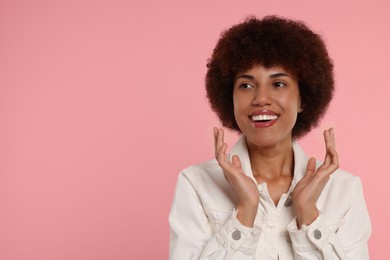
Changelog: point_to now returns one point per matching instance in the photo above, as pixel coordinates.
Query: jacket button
(317, 234)
(236, 235)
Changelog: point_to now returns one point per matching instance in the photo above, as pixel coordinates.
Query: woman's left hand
(309, 188)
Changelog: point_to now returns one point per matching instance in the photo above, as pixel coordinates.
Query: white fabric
(204, 226)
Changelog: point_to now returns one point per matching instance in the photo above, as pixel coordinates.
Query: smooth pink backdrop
(102, 103)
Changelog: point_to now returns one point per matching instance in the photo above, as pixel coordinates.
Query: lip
(263, 124)
(263, 112)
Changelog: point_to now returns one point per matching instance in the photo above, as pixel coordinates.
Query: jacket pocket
(334, 225)
(218, 216)
(334, 241)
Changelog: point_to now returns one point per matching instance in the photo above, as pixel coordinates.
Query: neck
(272, 162)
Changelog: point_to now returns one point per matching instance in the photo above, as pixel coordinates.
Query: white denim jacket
(204, 225)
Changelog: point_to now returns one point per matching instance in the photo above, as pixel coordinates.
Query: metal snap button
(317, 234)
(236, 235)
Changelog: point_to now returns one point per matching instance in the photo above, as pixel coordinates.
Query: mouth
(264, 118)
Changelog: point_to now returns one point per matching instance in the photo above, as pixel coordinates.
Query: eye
(279, 84)
(246, 85)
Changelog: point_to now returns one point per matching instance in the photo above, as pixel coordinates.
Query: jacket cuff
(238, 236)
(312, 237)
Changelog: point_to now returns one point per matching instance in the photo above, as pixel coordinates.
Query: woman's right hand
(244, 187)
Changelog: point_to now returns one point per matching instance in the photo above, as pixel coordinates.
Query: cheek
(237, 104)
(237, 112)
(239, 109)
(294, 101)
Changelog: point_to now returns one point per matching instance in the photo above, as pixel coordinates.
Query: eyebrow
(272, 76)
(276, 75)
(246, 76)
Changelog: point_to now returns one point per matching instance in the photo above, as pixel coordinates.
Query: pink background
(102, 104)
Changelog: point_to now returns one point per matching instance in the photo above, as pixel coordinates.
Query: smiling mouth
(263, 118)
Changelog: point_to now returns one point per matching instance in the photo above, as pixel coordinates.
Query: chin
(268, 140)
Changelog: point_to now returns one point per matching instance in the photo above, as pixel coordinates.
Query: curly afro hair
(272, 41)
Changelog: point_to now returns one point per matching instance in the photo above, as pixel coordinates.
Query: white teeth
(263, 117)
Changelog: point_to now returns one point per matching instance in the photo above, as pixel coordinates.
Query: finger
(334, 162)
(228, 167)
(224, 160)
(328, 147)
(236, 162)
(215, 131)
(221, 155)
(220, 139)
(233, 171)
(327, 170)
(335, 156)
(221, 135)
(218, 142)
(311, 167)
(331, 149)
(332, 138)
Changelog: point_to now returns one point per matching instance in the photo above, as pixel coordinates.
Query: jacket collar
(300, 160)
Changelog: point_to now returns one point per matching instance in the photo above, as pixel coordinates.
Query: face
(266, 103)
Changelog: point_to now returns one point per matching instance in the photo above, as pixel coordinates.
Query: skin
(270, 148)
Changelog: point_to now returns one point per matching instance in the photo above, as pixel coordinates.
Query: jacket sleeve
(192, 237)
(348, 241)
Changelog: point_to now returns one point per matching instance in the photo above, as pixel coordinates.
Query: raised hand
(309, 188)
(243, 186)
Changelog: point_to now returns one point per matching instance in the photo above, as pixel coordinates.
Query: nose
(262, 96)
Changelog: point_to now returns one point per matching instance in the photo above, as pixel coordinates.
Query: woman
(270, 80)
